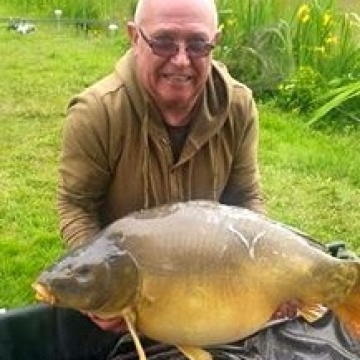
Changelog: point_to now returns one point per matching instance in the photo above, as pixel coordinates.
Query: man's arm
(243, 187)
(84, 170)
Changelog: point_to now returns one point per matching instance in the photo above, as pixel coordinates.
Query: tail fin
(348, 311)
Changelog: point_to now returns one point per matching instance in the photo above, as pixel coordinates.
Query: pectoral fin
(312, 312)
(194, 353)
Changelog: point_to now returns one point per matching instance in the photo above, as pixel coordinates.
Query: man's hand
(286, 310)
(115, 325)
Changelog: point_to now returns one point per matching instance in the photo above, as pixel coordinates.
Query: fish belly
(201, 311)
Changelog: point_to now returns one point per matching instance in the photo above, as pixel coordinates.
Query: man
(169, 124)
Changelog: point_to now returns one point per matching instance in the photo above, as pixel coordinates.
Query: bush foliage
(296, 57)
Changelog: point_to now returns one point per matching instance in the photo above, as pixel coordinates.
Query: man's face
(174, 81)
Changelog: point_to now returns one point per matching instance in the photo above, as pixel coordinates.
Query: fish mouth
(43, 294)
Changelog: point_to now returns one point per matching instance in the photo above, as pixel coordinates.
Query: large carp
(200, 273)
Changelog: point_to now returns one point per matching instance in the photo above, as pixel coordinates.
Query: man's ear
(217, 37)
(132, 32)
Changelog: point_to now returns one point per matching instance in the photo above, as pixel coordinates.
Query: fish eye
(83, 271)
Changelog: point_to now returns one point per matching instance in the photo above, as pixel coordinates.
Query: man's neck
(179, 117)
(176, 118)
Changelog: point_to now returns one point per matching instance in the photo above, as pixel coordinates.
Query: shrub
(327, 60)
(256, 46)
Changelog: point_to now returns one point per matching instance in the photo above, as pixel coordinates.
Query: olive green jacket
(117, 156)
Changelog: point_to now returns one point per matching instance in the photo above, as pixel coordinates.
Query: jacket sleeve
(84, 169)
(243, 186)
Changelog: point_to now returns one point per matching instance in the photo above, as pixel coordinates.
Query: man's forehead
(189, 13)
(178, 32)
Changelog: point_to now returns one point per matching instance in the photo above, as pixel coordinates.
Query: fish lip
(43, 294)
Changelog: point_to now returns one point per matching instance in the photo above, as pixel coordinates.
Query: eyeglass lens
(166, 47)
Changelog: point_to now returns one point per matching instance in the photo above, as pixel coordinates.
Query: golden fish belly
(190, 311)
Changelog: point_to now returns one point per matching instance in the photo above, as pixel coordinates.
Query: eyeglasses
(167, 47)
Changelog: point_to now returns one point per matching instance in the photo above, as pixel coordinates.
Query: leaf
(334, 99)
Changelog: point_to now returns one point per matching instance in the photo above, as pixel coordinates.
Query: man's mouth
(176, 78)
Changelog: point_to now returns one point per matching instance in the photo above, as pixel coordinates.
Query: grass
(310, 177)
(39, 74)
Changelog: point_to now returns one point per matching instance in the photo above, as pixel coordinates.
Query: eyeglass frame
(208, 47)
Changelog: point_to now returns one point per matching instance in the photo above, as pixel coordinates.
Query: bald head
(147, 10)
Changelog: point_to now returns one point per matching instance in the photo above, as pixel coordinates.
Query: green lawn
(311, 179)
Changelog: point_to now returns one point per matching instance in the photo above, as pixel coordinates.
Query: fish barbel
(200, 273)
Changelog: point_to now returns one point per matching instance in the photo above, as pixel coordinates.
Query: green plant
(104, 10)
(298, 91)
(256, 43)
(327, 60)
(337, 99)
(323, 40)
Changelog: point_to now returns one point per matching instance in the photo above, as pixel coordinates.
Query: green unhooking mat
(41, 332)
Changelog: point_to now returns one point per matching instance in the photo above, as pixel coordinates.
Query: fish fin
(194, 353)
(129, 318)
(348, 311)
(312, 312)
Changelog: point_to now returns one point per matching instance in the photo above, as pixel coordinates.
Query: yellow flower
(331, 40)
(305, 18)
(303, 11)
(327, 19)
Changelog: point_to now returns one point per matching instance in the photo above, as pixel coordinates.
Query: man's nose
(181, 58)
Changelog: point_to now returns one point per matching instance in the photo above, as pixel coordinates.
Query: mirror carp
(199, 273)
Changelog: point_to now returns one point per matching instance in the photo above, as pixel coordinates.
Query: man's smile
(177, 78)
